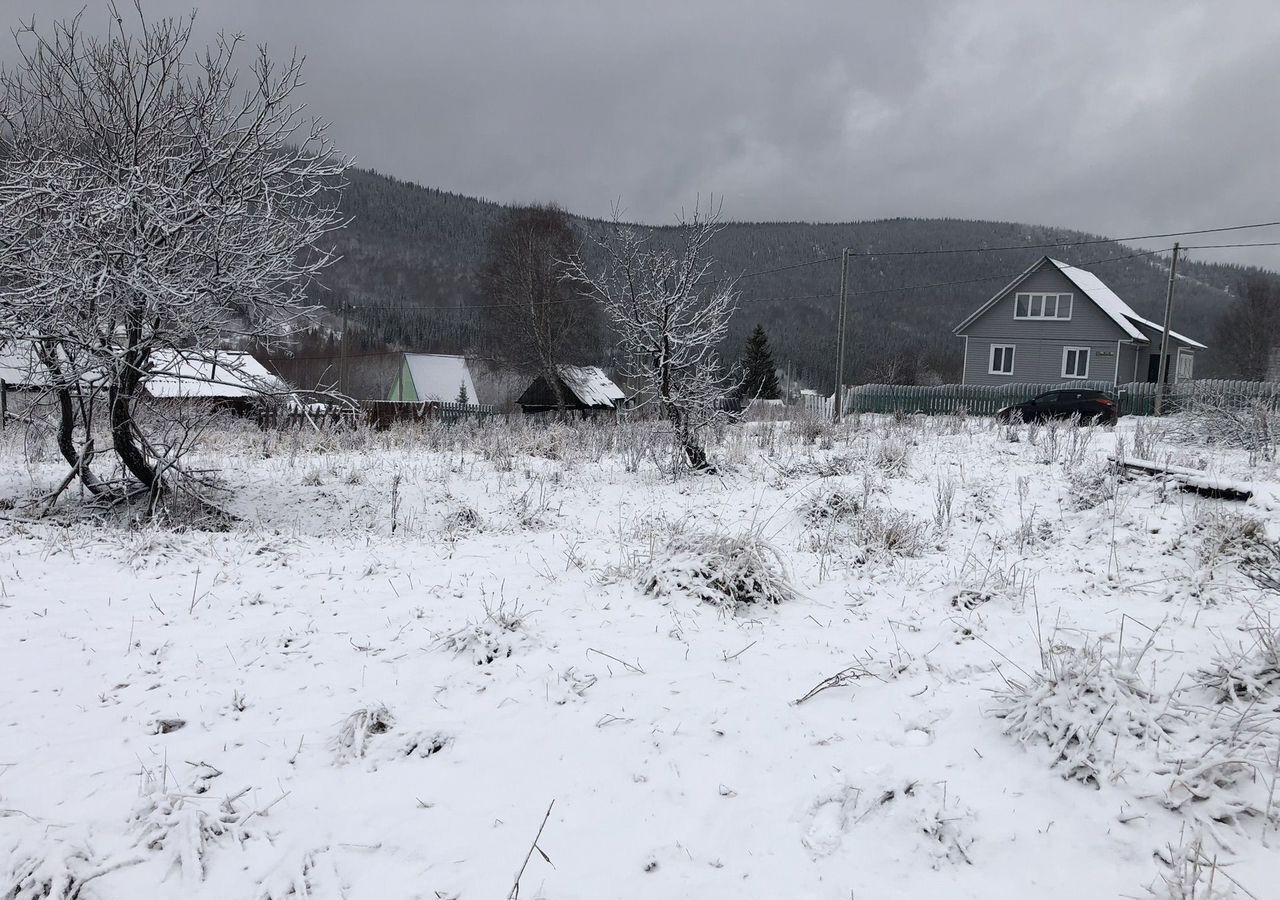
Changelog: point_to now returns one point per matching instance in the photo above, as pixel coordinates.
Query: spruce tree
(462, 393)
(760, 375)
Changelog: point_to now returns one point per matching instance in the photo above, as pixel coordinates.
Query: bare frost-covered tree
(541, 309)
(670, 316)
(152, 198)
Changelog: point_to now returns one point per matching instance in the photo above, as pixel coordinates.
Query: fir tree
(462, 393)
(760, 375)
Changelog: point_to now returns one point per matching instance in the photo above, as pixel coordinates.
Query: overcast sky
(1120, 118)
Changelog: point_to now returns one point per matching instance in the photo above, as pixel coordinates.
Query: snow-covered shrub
(1143, 439)
(353, 737)
(1263, 566)
(816, 467)
(493, 637)
(1247, 672)
(1226, 533)
(980, 583)
(811, 428)
(879, 530)
(1081, 705)
(462, 518)
(1090, 486)
(726, 571)
(53, 870)
(310, 875)
(1224, 418)
(1191, 873)
(1222, 769)
(1075, 448)
(892, 455)
(183, 829)
(828, 506)
(1047, 441)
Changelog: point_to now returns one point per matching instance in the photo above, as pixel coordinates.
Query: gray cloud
(1115, 118)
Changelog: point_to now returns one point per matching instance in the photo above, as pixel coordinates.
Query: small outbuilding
(586, 390)
(228, 379)
(433, 376)
(19, 368)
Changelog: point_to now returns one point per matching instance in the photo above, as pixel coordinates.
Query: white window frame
(1181, 372)
(1036, 303)
(1088, 359)
(1010, 356)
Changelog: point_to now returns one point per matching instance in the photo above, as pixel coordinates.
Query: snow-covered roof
(18, 365)
(437, 376)
(1173, 334)
(209, 373)
(590, 385)
(1092, 287)
(1105, 298)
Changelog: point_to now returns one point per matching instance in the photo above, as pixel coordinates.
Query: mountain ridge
(411, 256)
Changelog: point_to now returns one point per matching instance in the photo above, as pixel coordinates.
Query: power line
(1092, 242)
(1012, 247)
(937, 284)
(1217, 246)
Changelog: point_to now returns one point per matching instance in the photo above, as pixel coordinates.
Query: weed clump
(727, 571)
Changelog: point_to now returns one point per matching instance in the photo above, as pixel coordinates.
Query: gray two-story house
(1056, 323)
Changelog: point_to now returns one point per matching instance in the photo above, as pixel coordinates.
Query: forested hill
(411, 258)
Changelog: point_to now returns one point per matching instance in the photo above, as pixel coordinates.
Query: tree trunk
(123, 430)
(553, 379)
(79, 462)
(47, 353)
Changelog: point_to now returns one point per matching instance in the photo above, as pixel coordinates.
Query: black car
(1091, 406)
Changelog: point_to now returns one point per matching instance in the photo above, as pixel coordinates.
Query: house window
(1042, 306)
(1186, 365)
(1001, 360)
(1075, 362)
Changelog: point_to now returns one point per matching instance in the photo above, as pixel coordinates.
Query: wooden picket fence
(1134, 399)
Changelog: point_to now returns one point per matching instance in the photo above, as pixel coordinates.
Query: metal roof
(209, 373)
(1102, 296)
(1105, 298)
(437, 376)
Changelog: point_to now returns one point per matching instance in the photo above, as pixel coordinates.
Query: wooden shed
(586, 390)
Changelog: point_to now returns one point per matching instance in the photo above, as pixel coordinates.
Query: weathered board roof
(590, 385)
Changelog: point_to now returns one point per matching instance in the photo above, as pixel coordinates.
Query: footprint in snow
(829, 817)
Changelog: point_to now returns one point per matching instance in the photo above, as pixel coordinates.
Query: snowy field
(1041, 680)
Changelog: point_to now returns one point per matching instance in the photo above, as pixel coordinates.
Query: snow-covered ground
(412, 645)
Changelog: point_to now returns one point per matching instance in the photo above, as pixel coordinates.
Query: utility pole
(837, 400)
(342, 351)
(1162, 371)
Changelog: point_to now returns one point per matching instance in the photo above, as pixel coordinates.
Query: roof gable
(437, 376)
(1086, 282)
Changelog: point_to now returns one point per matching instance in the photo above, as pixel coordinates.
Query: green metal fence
(1135, 399)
